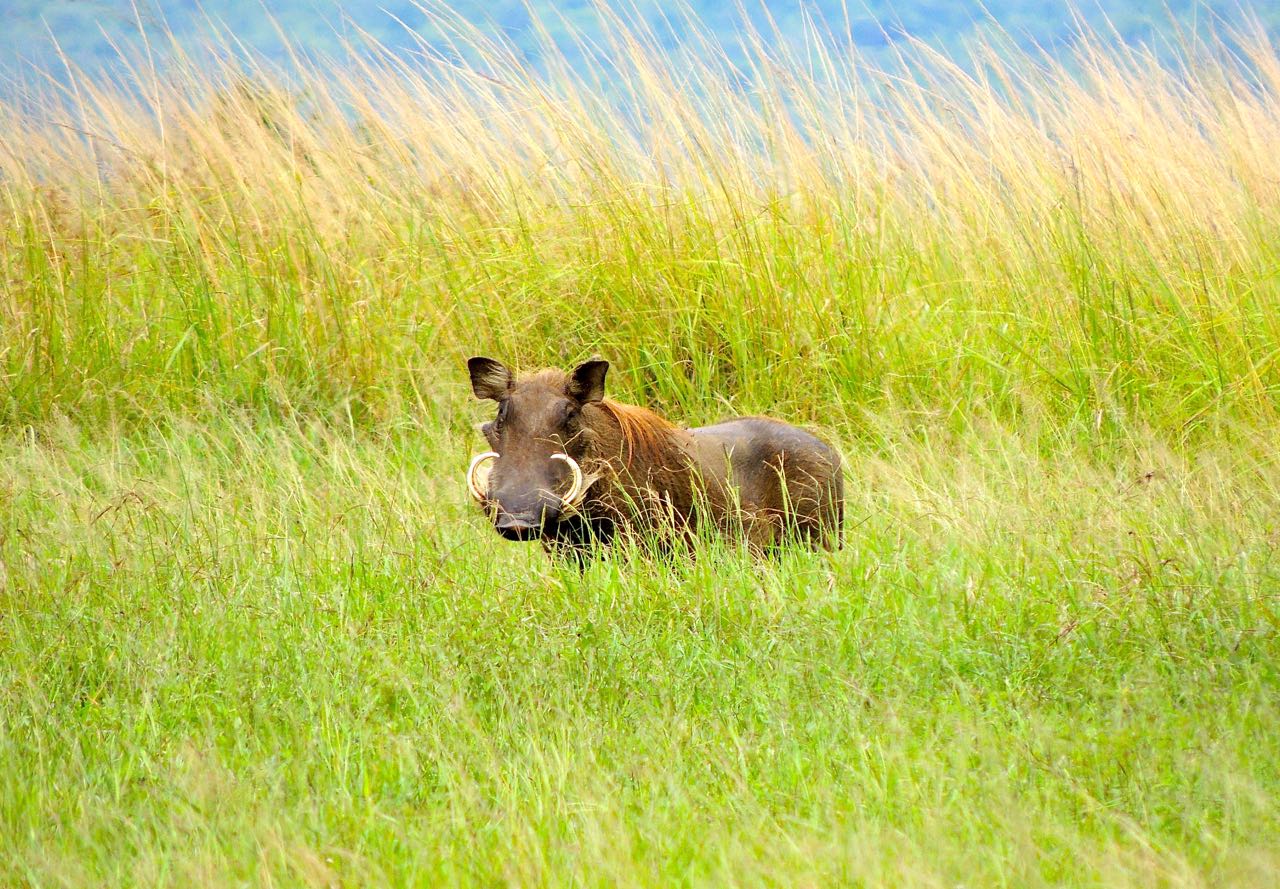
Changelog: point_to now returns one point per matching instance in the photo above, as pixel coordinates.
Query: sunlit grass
(253, 633)
(1097, 242)
(286, 652)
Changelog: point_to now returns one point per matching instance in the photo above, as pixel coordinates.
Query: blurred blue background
(91, 32)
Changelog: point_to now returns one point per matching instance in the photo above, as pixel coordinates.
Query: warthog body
(571, 467)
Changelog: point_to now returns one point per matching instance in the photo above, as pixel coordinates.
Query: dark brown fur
(757, 477)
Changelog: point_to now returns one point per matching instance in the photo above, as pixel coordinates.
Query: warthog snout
(520, 519)
(523, 499)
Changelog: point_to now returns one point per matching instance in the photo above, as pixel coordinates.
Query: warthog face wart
(538, 440)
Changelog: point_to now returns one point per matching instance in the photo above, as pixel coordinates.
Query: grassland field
(252, 632)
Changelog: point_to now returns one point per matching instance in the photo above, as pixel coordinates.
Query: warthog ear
(586, 383)
(489, 378)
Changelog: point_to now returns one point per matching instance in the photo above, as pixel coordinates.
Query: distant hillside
(90, 32)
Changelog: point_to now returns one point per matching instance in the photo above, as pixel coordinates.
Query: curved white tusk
(471, 473)
(570, 500)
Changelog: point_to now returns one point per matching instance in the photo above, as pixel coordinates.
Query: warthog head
(537, 441)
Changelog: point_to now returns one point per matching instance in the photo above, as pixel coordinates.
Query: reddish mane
(644, 433)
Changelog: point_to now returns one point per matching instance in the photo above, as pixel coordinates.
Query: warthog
(572, 468)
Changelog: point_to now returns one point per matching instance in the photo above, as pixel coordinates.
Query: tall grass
(1093, 237)
(251, 632)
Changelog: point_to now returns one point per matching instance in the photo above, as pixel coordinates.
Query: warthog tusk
(570, 500)
(471, 473)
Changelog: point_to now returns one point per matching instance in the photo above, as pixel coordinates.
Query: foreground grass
(290, 653)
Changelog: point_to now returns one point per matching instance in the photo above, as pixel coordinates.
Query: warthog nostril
(509, 522)
(518, 527)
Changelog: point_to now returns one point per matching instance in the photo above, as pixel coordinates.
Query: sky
(40, 34)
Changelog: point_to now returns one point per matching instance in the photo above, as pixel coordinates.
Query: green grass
(253, 633)
(247, 652)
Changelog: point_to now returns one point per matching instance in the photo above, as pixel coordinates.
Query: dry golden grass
(1095, 236)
